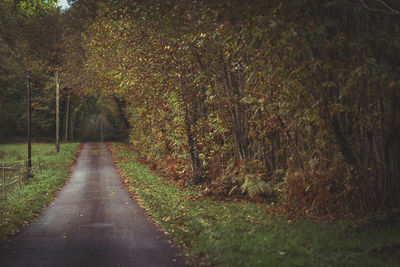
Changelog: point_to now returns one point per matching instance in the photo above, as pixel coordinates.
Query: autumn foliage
(291, 101)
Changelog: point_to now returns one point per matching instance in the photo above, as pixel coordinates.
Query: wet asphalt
(94, 221)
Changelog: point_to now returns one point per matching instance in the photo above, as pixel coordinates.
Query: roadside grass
(24, 204)
(227, 233)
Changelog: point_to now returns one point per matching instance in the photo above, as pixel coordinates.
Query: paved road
(93, 222)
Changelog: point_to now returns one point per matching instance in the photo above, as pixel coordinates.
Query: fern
(255, 186)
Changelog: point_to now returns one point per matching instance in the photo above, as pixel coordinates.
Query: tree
(292, 100)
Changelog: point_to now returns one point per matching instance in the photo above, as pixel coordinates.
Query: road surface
(93, 222)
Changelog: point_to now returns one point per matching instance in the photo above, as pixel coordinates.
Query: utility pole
(57, 113)
(29, 122)
(66, 120)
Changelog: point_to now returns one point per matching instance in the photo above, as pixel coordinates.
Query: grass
(227, 233)
(22, 205)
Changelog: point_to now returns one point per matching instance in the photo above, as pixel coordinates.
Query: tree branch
(388, 9)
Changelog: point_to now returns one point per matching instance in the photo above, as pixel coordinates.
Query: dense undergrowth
(242, 233)
(290, 101)
(24, 204)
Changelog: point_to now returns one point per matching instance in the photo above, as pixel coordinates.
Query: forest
(288, 102)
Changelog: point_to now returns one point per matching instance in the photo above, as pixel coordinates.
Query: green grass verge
(24, 204)
(226, 233)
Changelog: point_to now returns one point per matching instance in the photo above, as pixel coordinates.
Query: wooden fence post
(57, 112)
(28, 171)
(19, 177)
(4, 182)
(39, 167)
(29, 119)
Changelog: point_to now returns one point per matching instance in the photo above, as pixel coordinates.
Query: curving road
(93, 222)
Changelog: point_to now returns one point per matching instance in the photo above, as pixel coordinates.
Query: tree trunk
(67, 120)
(198, 171)
(71, 130)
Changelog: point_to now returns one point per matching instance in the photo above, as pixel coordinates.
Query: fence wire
(17, 173)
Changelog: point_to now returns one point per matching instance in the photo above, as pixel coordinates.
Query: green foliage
(24, 204)
(255, 185)
(227, 233)
(32, 8)
(28, 39)
(252, 175)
